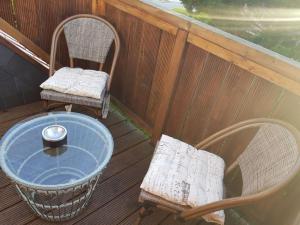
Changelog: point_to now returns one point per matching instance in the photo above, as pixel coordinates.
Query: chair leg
(143, 212)
(68, 108)
(98, 113)
(46, 105)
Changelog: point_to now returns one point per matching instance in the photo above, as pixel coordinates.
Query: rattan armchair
(268, 163)
(89, 38)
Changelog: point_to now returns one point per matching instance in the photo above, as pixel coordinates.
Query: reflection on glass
(274, 24)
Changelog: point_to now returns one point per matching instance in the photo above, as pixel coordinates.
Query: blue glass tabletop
(26, 158)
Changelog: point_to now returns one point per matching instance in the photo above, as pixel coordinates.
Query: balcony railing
(182, 78)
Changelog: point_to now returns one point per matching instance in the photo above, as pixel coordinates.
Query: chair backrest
(269, 162)
(269, 159)
(88, 38)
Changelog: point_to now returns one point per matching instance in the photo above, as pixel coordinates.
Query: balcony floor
(115, 198)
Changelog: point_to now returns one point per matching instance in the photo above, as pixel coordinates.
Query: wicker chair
(269, 162)
(89, 38)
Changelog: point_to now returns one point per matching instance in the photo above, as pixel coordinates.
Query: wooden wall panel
(28, 20)
(259, 100)
(134, 28)
(233, 92)
(189, 77)
(161, 69)
(38, 19)
(6, 12)
(150, 43)
(212, 94)
(207, 91)
(144, 58)
(288, 108)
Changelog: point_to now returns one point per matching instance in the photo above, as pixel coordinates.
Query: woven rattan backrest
(268, 159)
(88, 39)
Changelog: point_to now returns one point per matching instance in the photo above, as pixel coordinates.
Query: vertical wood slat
(124, 74)
(194, 62)
(235, 87)
(37, 20)
(204, 97)
(7, 12)
(161, 68)
(259, 102)
(146, 63)
(170, 84)
(27, 19)
(98, 7)
(134, 27)
(144, 56)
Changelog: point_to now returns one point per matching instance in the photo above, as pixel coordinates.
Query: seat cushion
(186, 176)
(77, 81)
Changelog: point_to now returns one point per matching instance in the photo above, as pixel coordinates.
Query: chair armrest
(114, 62)
(231, 130)
(229, 203)
(215, 206)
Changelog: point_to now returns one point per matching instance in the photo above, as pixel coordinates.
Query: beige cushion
(77, 81)
(184, 175)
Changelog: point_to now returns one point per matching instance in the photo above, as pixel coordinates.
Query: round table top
(29, 160)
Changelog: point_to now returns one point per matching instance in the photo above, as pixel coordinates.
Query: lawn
(277, 29)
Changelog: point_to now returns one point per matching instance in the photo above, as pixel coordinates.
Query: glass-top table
(56, 180)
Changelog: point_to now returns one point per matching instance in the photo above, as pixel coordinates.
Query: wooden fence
(182, 78)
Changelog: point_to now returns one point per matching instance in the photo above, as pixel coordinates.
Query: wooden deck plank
(4, 181)
(115, 211)
(127, 158)
(21, 111)
(16, 214)
(134, 138)
(127, 141)
(156, 217)
(17, 114)
(117, 163)
(8, 197)
(120, 180)
(108, 191)
(113, 118)
(134, 171)
(121, 129)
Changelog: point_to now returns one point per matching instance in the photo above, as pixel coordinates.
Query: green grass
(271, 36)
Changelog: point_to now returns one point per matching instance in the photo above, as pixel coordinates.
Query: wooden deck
(115, 198)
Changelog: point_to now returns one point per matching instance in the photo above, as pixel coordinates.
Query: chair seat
(72, 99)
(183, 175)
(78, 82)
